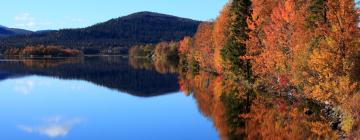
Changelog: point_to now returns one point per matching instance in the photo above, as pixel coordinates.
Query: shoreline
(332, 114)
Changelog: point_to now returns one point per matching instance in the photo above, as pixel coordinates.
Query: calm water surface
(112, 98)
(66, 99)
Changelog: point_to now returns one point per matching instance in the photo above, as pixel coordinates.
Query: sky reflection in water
(36, 107)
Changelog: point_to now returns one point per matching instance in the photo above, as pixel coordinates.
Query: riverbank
(333, 114)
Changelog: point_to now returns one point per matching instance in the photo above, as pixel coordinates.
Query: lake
(111, 98)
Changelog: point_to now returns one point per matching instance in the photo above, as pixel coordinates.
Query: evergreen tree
(235, 46)
(316, 13)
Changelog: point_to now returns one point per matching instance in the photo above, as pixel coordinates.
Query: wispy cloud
(24, 20)
(24, 17)
(26, 87)
(28, 21)
(53, 127)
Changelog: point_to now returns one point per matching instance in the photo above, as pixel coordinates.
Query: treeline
(312, 45)
(142, 51)
(42, 51)
(164, 56)
(309, 47)
(162, 50)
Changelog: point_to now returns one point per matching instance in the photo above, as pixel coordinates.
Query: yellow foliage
(347, 123)
(329, 76)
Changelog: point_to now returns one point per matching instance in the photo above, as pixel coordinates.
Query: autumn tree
(255, 45)
(185, 45)
(203, 45)
(185, 52)
(273, 36)
(330, 64)
(220, 35)
(308, 37)
(145, 51)
(166, 51)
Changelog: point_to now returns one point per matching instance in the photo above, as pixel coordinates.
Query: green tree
(235, 46)
(316, 13)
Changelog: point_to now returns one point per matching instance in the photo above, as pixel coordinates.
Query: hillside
(134, 29)
(5, 31)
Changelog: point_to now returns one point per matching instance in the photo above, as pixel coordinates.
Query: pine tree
(316, 13)
(235, 46)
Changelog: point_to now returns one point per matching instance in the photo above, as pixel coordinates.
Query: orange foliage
(344, 30)
(220, 35)
(203, 45)
(329, 76)
(274, 33)
(185, 45)
(259, 19)
(270, 117)
(290, 45)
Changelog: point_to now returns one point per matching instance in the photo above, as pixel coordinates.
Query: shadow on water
(108, 71)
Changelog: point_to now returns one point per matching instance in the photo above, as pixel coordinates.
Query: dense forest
(306, 48)
(312, 45)
(121, 33)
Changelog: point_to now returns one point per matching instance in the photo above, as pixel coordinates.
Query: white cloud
(24, 17)
(53, 127)
(28, 21)
(25, 20)
(26, 87)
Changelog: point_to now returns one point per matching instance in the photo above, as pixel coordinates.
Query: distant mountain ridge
(126, 31)
(5, 31)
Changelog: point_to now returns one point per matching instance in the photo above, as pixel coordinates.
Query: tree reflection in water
(241, 113)
(237, 112)
(111, 72)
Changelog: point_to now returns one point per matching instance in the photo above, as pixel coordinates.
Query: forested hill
(5, 31)
(134, 29)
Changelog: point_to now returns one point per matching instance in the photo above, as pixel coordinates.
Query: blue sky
(56, 14)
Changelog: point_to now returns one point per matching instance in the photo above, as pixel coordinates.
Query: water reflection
(52, 127)
(110, 72)
(95, 88)
(24, 87)
(235, 111)
(160, 66)
(238, 112)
